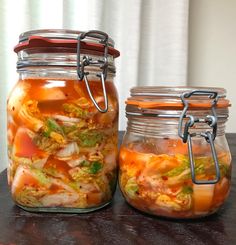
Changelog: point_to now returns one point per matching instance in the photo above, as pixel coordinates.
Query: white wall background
(212, 48)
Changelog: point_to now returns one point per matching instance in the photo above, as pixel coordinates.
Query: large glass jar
(63, 122)
(174, 160)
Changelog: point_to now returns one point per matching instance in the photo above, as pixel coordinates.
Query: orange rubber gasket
(43, 42)
(223, 103)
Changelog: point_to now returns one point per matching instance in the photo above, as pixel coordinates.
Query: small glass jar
(63, 122)
(174, 160)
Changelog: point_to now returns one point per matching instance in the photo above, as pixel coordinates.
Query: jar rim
(58, 33)
(173, 91)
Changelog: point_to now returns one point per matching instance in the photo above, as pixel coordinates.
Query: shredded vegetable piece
(75, 111)
(90, 138)
(95, 167)
(131, 188)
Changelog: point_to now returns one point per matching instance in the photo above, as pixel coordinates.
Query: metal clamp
(211, 120)
(102, 63)
(209, 139)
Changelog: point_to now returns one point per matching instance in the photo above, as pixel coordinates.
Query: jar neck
(59, 62)
(161, 127)
(59, 73)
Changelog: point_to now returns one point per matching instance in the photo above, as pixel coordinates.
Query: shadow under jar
(174, 160)
(63, 122)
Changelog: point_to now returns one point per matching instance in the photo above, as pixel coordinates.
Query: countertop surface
(117, 223)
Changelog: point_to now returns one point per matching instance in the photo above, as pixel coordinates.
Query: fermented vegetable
(62, 151)
(161, 184)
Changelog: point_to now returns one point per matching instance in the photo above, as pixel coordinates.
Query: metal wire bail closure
(211, 120)
(102, 63)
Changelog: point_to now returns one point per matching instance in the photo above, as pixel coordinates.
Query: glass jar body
(62, 150)
(155, 174)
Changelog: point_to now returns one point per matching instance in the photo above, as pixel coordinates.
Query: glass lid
(174, 97)
(93, 40)
(61, 34)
